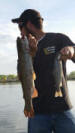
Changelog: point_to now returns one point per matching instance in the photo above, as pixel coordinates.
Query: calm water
(12, 119)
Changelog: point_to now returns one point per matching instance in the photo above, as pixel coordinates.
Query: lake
(12, 119)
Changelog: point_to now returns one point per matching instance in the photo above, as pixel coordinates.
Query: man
(51, 113)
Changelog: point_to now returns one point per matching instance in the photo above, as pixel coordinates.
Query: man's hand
(67, 53)
(29, 114)
(32, 44)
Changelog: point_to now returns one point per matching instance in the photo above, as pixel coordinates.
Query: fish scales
(58, 73)
(25, 71)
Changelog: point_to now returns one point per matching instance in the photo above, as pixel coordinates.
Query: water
(12, 119)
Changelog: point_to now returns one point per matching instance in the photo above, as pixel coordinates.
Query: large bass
(25, 72)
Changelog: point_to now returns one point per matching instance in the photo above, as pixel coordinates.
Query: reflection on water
(12, 119)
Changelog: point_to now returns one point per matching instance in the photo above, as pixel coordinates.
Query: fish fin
(35, 93)
(58, 93)
(61, 84)
(34, 76)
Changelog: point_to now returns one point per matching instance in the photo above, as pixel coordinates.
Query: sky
(58, 17)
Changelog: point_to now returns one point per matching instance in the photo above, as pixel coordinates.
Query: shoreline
(9, 81)
(17, 81)
(11, 78)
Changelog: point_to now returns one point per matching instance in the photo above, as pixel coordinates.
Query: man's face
(25, 30)
(22, 29)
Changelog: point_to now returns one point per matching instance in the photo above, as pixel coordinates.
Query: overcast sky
(58, 17)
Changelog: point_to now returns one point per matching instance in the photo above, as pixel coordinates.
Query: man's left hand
(67, 53)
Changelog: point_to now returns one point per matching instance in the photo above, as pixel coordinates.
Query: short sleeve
(64, 42)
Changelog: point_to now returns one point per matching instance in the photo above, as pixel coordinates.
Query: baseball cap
(28, 15)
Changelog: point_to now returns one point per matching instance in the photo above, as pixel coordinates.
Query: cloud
(8, 53)
(66, 27)
(42, 3)
(57, 18)
(70, 66)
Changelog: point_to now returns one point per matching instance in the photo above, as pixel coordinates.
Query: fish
(58, 74)
(25, 72)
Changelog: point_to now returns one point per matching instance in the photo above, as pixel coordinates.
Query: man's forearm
(73, 58)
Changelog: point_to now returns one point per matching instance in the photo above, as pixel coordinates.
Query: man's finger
(30, 113)
(25, 113)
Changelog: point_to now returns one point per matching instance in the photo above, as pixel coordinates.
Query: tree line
(14, 78)
(71, 76)
(9, 78)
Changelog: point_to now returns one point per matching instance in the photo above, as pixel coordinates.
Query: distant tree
(3, 77)
(71, 75)
(7, 78)
(11, 76)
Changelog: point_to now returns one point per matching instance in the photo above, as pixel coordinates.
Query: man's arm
(66, 47)
(73, 58)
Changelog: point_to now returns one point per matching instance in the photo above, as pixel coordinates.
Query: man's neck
(39, 35)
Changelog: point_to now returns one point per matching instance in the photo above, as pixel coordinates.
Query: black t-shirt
(43, 67)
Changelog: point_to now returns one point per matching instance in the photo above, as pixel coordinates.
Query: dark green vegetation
(8, 78)
(14, 78)
(71, 76)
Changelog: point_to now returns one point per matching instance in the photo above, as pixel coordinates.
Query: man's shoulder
(57, 35)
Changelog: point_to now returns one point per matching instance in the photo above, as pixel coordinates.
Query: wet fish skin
(58, 72)
(25, 71)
